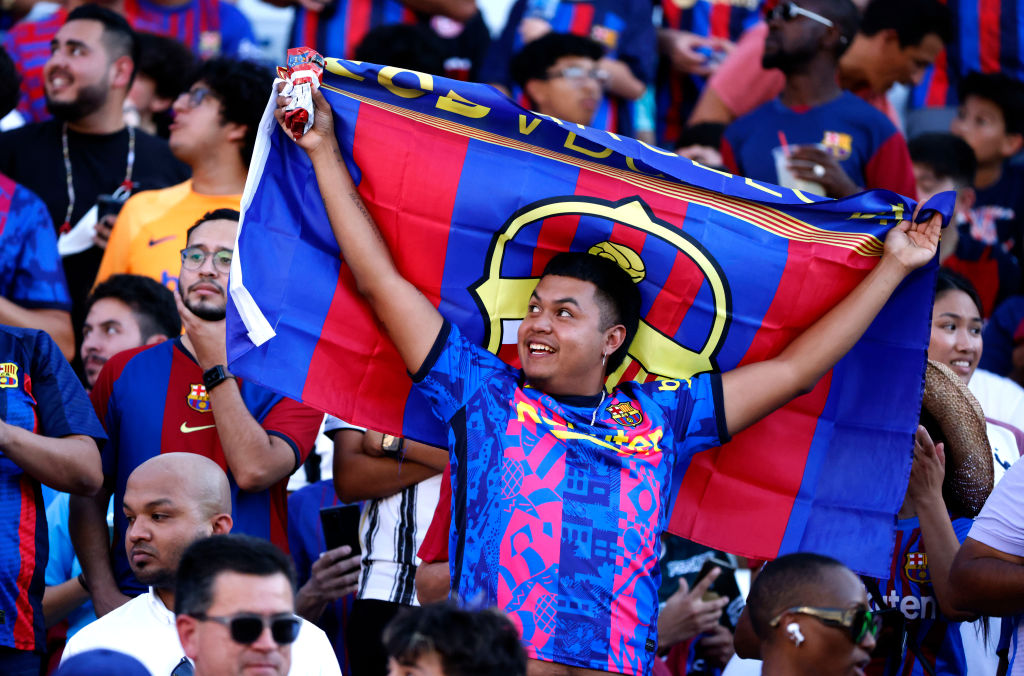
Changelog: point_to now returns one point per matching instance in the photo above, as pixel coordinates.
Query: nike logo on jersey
(185, 429)
(154, 242)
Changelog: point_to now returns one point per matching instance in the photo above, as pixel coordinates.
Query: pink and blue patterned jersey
(909, 588)
(38, 392)
(622, 27)
(31, 274)
(555, 520)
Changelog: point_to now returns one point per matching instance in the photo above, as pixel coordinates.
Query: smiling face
(956, 333)
(77, 76)
(563, 339)
(203, 290)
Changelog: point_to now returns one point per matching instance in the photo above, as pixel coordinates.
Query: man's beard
(89, 99)
(204, 312)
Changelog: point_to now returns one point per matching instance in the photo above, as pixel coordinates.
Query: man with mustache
(179, 396)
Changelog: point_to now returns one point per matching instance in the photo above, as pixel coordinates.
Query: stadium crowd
(159, 515)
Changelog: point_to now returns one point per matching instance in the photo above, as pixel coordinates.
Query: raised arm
(753, 391)
(411, 321)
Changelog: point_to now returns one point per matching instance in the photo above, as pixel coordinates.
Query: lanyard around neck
(122, 191)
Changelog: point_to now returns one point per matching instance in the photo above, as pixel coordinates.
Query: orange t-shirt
(149, 234)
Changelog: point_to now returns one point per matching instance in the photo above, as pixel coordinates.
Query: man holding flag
(561, 489)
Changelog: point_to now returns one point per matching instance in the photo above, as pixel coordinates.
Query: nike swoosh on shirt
(185, 429)
(154, 242)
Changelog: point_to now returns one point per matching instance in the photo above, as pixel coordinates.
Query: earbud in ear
(793, 629)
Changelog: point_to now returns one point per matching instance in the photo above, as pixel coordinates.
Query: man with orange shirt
(214, 131)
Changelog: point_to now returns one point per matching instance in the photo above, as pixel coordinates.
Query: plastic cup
(786, 178)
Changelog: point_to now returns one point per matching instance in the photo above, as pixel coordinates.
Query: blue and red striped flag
(474, 195)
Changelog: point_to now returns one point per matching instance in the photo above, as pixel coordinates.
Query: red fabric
(983, 273)
(435, 543)
(891, 169)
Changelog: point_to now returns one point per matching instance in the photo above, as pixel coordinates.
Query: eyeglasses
(577, 74)
(196, 95)
(246, 628)
(787, 11)
(857, 621)
(193, 258)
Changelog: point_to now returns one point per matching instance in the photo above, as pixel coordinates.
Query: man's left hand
(811, 163)
(208, 338)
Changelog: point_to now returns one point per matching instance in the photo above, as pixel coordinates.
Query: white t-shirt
(1000, 525)
(1000, 398)
(144, 628)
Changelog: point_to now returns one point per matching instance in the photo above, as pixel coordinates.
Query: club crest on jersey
(625, 414)
(198, 399)
(608, 37)
(8, 374)
(916, 567)
(838, 143)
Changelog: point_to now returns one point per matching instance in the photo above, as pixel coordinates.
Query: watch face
(390, 443)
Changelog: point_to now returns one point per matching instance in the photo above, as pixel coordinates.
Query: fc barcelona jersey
(40, 393)
(557, 520)
(152, 400)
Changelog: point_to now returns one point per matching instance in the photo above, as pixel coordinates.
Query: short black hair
(948, 156)
(243, 89)
(949, 280)
(911, 19)
(223, 214)
(1006, 92)
(535, 58)
(10, 83)
(208, 557)
(618, 296)
(119, 37)
(786, 582)
(167, 62)
(845, 16)
(469, 643)
(407, 46)
(152, 304)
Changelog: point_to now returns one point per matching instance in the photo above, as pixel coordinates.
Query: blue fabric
(31, 274)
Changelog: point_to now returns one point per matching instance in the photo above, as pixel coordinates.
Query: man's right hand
(322, 130)
(687, 614)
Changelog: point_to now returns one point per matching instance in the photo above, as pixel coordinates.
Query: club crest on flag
(198, 399)
(8, 374)
(625, 414)
(838, 143)
(915, 567)
(656, 351)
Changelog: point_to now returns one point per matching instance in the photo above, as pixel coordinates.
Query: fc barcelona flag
(474, 195)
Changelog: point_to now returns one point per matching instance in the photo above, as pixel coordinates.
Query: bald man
(170, 501)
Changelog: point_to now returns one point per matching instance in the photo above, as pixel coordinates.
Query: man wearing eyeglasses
(179, 396)
(235, 608)
(213, 132)
(560, 76)
(170, 502)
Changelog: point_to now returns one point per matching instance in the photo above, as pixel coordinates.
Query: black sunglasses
(858, 622)
(246, 628)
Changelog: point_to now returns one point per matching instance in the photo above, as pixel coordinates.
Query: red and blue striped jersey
(38, 392)
(208, 27)
(623, 27)
(677, 93)
(340, 27)
(989, 38)
(909, 589)
(152, 400)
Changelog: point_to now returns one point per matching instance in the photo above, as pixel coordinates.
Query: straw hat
(969, 472)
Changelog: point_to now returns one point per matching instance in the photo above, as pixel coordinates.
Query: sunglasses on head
(246, 628)
(787, 11)
(858, 622)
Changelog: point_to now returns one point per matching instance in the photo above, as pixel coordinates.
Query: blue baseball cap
(102, 662)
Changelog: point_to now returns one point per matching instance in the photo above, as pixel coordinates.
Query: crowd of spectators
(128, 451)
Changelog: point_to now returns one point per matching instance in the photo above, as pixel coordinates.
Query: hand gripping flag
(474, 195)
